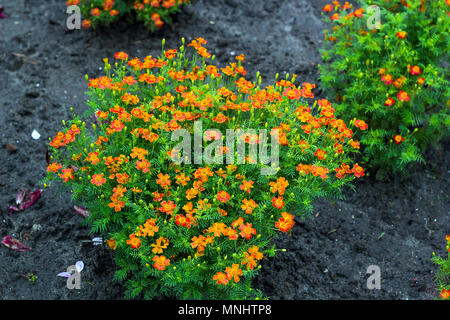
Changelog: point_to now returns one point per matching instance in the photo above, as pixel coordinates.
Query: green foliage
(365, 67)
(153, 13)
(443, 274)
(197, 230)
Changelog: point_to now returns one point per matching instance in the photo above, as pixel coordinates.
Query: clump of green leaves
(391, 74)
(198, 230)
(443, 273)
(153, 13)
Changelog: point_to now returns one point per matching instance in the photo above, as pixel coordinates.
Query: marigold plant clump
(390, 75)
(443, 274)
(198, 230)
(153, 13)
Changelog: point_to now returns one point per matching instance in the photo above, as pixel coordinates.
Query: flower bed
(197, 227)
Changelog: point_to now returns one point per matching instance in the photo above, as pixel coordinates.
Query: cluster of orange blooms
(107, 9)
(251, 256)
(63, 139)
(175, 194)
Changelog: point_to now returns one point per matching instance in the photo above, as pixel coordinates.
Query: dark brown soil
(395, 224)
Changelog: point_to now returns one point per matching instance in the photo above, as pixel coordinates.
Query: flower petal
(2, 15)
(30, 199)
(79, 265)
(35, 135)
(14, 244)
(24, 200)
(12, 209)
(82, 211)
(20, 196)
(64, 274)
(96, 241)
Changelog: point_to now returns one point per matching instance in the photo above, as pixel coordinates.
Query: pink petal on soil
(20, 196)
(82, 211)
(2, 15)
(14, 244)
(25, 199)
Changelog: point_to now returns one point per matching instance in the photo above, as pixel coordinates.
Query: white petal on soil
(64, 274)
(96, 241)
(79, 265)
(35, 135)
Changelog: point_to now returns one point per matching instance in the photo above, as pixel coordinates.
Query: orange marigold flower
(121, 55)
(119, 191)
(112, 244)
(191, 193)
(167, 207)
(278, 202)
(93, 158)
(170, 54)
(134, 241)
(355, 144)
(161, 262)
(415, 70)
(387, 79)
(54, 167)
(246, 185)
(95, 12)
(98, 179)
(66, 174)
(149, 228)
(359, 12)
(160, 244)
(320, 154)
(403, 96)
(238, 222)
(163, 180)
(284, 225)
(218, 228)
(361, 124)
(223, 196)
(398, 139)
(358, 171)
(116, 203)
(140, 153)
(445, 294)
(389, 102)
(233, 272)
(143, 165)
(241, 57)
(342, 171)
(335, 16)
(279, 186)
(220, 118)
(86, 23)
(327, 8)
(182, 179)
(319, 172)
(248, 205)
(401, 34)
(221, 278)
(246, 231)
